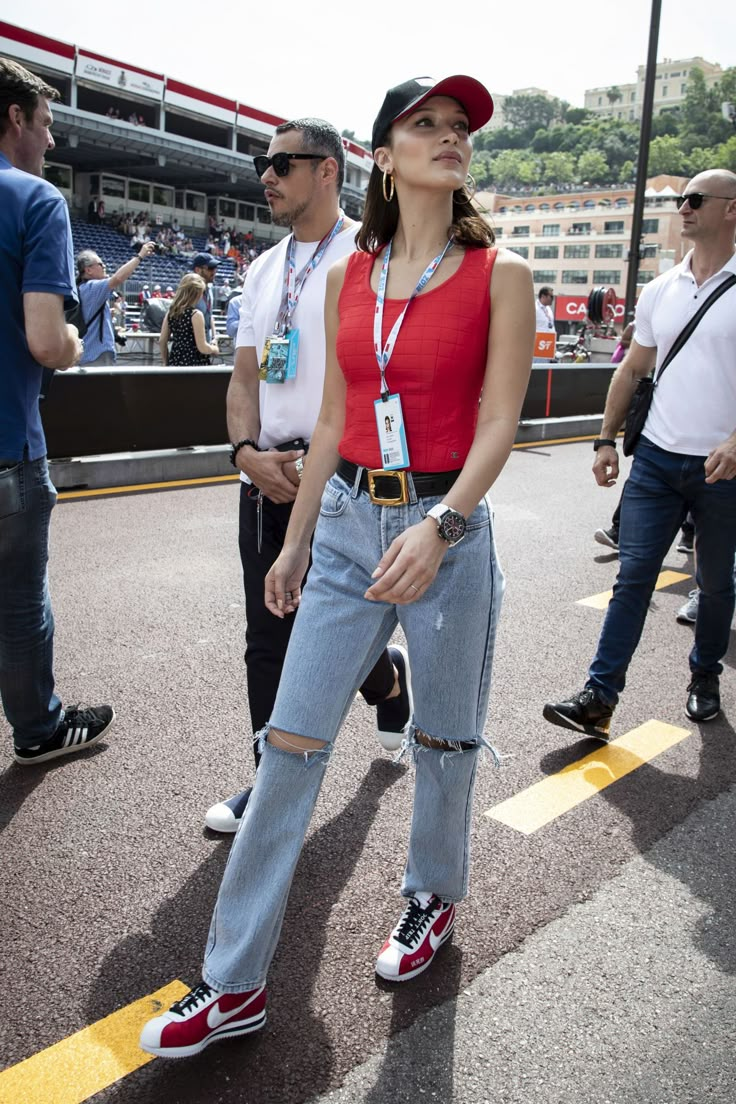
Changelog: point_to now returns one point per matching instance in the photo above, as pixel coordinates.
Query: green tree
(530, 112)
(558, 168)
(513, 167)
(701, 159)
(614, 94)
(593, 167)
(626, 172)
(666, 155)
(480, 169)
(725, 155)
(575, 115)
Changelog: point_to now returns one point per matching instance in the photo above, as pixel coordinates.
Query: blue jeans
(338, 636)
(660, 490)
(27, 497)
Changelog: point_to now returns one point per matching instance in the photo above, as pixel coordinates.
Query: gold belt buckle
(402, 490)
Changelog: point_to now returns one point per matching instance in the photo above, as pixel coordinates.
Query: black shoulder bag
(641, 400)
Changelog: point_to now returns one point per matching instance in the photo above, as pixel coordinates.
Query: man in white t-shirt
(545, 317)
(271, 422)
(685, 460)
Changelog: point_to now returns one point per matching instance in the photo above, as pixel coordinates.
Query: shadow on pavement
(292, 1059)
(656, 801)
(18, 782)
(431, 1062)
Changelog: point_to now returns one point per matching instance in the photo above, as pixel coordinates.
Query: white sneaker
(688, 613)
(394, 714)
(225, 816)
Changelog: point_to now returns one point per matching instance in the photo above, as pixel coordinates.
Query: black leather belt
(390, 488)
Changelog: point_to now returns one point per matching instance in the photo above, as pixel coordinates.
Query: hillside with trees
(549, 145)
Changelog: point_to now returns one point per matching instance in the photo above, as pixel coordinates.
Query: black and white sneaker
(225, 816)
(392, 714)
(609, 537)
(79, 729)
(583, 712)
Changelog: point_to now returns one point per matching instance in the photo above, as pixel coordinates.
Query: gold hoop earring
(389, 176)
(470, 185)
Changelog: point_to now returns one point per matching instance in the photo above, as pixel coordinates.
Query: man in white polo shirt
(685, 460)
(272, 407)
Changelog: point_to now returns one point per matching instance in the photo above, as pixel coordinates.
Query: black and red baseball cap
(407, 97)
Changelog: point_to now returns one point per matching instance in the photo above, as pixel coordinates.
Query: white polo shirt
(289, 410)
(694, 406)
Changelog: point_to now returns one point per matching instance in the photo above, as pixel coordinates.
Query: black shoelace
(414, 921)
(200, 993)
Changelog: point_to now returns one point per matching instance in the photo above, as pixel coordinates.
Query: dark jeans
(266, 636)
(27, 498)
(660, 490)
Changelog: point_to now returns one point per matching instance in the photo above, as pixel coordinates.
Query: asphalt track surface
(109, 876)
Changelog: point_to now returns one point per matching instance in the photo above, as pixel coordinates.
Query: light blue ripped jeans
(337, 638)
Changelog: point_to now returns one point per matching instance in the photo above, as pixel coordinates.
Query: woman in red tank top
(429, 347)
(430, 312)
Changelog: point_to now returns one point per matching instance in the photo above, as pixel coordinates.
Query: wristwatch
(299, 465)
(236, 447)
(451, 524)
(600, 442)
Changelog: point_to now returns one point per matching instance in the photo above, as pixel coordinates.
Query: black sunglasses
(695, 199)
(280, 161)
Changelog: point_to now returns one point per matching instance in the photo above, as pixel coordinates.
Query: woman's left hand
(409, 566)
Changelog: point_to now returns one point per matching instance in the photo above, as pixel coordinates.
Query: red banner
(574, 308)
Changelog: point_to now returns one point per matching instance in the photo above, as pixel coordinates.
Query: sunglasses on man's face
(695, 199)
(281, 161)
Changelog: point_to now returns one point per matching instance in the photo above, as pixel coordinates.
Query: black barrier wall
(103, 411)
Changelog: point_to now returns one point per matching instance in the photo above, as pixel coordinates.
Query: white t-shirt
(694, 406)
(545, 318)
(289, 410)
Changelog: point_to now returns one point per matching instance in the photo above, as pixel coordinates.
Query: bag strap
(683, 336)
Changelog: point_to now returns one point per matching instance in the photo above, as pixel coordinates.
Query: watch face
(452, 527)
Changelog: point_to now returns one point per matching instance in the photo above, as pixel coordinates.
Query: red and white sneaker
(202, 1017)
(425, 925)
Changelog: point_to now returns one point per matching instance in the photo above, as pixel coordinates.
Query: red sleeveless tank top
(437, 366)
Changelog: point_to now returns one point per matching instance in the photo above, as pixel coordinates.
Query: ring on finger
(416, 588)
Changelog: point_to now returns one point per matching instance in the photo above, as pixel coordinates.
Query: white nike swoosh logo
(215, 1017)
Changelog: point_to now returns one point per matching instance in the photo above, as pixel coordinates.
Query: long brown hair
(188, 294)
(380, 219)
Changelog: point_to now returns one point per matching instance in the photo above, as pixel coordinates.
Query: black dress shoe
(582, 712)
(704, 699)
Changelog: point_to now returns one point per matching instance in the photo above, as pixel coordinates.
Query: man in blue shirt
(205, 265)
(95, 288)
(36, 274)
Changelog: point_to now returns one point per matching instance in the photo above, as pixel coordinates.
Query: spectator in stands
(184, 327)
(94, 288)
(36, 275)
(156, 293)
(169, 293)
(144, 295)
(205, 265)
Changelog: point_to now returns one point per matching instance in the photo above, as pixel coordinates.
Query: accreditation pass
(391, 434)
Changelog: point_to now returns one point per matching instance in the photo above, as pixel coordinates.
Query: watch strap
(601, 442)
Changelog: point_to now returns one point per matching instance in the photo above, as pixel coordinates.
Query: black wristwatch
(600, 442)
(451, 524)
(235, 448)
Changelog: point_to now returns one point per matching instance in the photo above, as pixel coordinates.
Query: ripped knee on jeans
(443, 745)
(289, 741)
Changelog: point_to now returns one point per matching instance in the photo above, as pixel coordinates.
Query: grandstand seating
(161, 268)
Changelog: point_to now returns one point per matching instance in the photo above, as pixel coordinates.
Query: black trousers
(266, 636)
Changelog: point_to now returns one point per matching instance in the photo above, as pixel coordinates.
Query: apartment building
(575, 241)
(670, 88)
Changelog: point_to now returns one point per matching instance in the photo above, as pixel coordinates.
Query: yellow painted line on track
(135, 488)
(546, 800)
(90, 1060)
(664, 579)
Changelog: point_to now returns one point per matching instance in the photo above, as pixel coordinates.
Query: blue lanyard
(293, 284)
(383, 352)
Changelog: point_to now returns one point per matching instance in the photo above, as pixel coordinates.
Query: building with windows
(575, 241)
(624, 101)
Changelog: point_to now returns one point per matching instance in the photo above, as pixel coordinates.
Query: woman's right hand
(283, 589)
